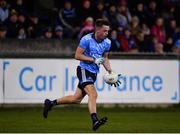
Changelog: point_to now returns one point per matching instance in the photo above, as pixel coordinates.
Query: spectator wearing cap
(3, 31)
(58, 32)
(4, 10)
(87, 28)
(12, 24)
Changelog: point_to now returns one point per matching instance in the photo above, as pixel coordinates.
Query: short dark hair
(101, 22)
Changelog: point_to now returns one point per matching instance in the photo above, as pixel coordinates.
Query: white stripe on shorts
(83, 74)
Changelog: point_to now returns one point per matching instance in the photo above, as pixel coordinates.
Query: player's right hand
(99, 61)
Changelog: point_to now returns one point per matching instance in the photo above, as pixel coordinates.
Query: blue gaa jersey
(93, 49)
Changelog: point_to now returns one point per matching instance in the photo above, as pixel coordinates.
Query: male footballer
(92, 52)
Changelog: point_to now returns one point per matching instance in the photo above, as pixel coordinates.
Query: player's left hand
(112, 78)
(117, 83)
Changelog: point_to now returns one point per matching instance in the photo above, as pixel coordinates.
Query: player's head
(102, 28)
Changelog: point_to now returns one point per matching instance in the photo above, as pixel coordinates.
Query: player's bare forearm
(107, 64)
(80, 56)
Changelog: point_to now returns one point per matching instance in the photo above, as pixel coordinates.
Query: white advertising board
(1, 81)
(143, 81)
(32, 81)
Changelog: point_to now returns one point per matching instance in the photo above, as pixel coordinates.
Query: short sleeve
(108, 45)
(83, 43)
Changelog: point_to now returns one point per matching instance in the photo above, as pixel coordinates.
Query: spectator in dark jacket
(12, 24)
(115, 43)
(69, 20)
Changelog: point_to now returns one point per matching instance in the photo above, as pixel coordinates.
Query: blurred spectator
(168, 45)
(123, 9)
(3, 31)
(68, 19)
(21, 33)
(12, 24)
(48, 33)
(158, 30)
(99, 10)
(59, 32)
(145, 29)
(115, 44)
(22, 20)
(85, 11)
(4, 10)
(124, 16)
(19, 6)
(151, 13)
(135, 27)
(176, 47)
(111, 15)
(87, 28)
(127, 42)
(158, 46)
(169, 13)
(34, 28)
(143, 42)
(171, 29)
(74, 19)
(140, 12)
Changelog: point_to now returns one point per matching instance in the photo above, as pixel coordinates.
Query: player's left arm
(107, 66)
(106, 63)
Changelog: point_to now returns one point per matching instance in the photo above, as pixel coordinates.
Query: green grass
(75, 119)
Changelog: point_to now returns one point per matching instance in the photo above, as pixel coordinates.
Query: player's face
(102, 32)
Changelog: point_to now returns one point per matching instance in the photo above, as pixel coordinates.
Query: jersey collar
(93, 36)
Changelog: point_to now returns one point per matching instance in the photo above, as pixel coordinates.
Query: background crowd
(136, 25)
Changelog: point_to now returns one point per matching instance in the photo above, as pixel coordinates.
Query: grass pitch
(76, 119)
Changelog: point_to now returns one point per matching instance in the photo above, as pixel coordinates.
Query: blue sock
(94, 117)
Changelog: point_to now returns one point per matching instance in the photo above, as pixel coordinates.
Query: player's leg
(71, 99)
(92, 94)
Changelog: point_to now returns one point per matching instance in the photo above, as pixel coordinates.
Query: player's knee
(93, 95)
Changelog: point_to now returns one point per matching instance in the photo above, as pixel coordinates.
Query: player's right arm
(79, 55)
